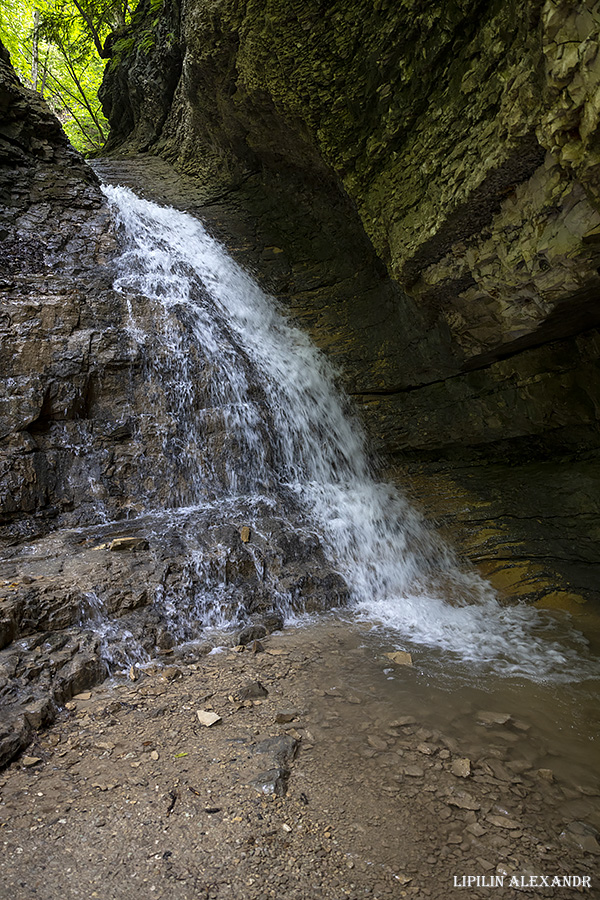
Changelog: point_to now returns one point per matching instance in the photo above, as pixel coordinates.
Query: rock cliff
(423, 181)
(87, 478)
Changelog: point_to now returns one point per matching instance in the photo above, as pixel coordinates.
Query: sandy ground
(311, 785)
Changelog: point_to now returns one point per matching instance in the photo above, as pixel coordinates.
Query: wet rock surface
(77, 605)
(128, 794)
(464, 138)
(89, 444)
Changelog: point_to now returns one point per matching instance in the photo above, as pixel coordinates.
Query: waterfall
(251, 416)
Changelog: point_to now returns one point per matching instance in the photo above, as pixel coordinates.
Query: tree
(58, 48)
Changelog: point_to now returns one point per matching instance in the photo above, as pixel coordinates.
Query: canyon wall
(419, 185)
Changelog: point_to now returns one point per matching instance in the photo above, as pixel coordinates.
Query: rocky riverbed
(315, 780)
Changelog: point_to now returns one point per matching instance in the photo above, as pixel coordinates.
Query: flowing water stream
(231, 373)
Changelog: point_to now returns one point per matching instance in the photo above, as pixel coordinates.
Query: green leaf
(57, 47)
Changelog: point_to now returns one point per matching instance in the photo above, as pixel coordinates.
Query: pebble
(503, 822)
(426, 749)
(30, 761)
(493, 718)
(400, 658)
(464, 801)
(485, 864)
(413, 771)
(170, 673)
(376, 742)
(461, 768)
(207, 718)
(582, 835)
(253, 691)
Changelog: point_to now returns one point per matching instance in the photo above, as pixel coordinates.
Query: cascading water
(268, 400)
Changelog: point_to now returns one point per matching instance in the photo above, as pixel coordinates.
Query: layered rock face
(458, 145)
(90, 477)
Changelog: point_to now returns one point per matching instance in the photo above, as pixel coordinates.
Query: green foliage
(147, 42)
(144, 20)
(57, 47)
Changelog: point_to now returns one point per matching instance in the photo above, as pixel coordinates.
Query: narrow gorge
(317, 331)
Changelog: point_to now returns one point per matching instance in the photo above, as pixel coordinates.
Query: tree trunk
(35, 49)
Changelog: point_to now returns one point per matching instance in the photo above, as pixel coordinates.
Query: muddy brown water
(548, 725)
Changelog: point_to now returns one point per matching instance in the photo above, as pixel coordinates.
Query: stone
(463, 800)
(282, 748)
(245, 534)
(279, 753)
(169, 673)
(165, 641)
(286, 715)
(400, 658)
(250, 634)
(30, 761)
(205, 717)
(581, 835)
(272, 621)
(493, 718)
(129, 544)
(461, 767)
(503, 822)
(454, 839)
(40, 712)
(427, 749)
(253, 691)
(376, 742)
(271, 781)
(485, 864)
(413, 771)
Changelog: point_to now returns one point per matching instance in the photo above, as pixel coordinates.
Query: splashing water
(269, 394)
